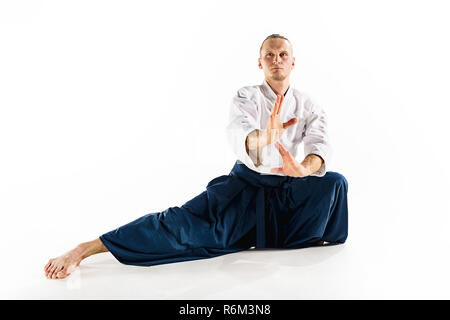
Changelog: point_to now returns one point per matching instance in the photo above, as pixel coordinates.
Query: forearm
(312, 163)
(252, 147)
(255, 140)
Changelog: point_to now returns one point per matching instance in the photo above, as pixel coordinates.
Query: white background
(110, 110)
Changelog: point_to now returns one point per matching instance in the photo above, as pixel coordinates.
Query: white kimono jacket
(250, 110)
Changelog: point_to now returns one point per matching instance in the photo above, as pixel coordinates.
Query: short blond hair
(274, 36)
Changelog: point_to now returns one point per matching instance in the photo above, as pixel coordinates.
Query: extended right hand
(274, 127)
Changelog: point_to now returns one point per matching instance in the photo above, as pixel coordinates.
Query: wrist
(303, 170)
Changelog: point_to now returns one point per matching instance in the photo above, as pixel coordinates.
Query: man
(268, 200)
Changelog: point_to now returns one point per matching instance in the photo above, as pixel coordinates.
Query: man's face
(276, 59)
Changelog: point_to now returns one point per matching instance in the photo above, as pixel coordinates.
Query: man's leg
(336, 229)
(218, 221)
(211, 224)
(319, 211)
(65, 264)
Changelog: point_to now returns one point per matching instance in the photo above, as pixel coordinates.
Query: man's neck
(279, 87)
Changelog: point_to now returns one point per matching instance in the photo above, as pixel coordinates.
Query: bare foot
(64, 265)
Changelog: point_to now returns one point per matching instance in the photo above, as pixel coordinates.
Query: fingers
(282, 149)
(276, 170)
(280, 102)
(290, 123)
(275, 106)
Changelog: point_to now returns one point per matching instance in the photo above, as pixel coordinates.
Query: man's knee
(337, 179)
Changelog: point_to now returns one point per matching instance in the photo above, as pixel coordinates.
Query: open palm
(275, 128)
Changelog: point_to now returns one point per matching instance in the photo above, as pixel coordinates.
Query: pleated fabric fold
(238, 211)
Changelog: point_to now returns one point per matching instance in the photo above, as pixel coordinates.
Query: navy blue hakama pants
(238, 211)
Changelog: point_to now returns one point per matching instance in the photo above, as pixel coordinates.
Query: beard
(278, 76)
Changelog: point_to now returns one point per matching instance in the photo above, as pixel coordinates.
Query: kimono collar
(268, 92)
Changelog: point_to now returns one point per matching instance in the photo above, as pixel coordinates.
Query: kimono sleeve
(315, 137)
(243, 119)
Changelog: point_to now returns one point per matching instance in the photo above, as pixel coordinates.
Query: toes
(52, 270)
(53, 276)
(48, 270)
(47, 265)
(60, 268)
(57, 270)
(53, 267)
(61, 274)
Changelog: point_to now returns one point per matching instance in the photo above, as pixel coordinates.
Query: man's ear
(259, 63)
